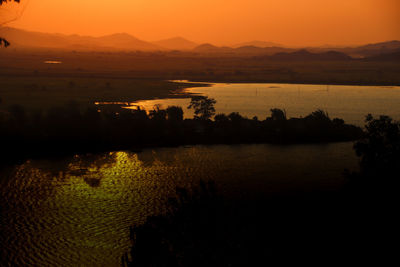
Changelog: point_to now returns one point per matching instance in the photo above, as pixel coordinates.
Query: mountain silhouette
(209, 48)
(243, 51)
(363, 51)
(395, 56)
(383, 45)
(125, 41)
(118, 41)
(303, 55)
(260, 44)
(176, 43)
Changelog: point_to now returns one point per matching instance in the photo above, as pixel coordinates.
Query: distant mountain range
(243, 50)
(176, 43)
(395, 56)
(260, 44)
(125, 42)
(363, 51)
(113, 42)
(304, 55)
(118, 41)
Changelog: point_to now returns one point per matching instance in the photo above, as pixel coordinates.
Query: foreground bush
(353, 225)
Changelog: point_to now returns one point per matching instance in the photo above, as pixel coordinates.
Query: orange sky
(290, 22)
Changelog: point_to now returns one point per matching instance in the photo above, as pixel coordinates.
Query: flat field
(87, 77)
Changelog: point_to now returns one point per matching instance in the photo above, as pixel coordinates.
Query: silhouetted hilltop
(125, 41)
(209, 48)
(306, 55)
(19, 37)
(119, 41)
(241, 51)
(176, 43)
(263, 51)
(374, 49)
(394, 44)
(395, 56)
(362, 51)
(260, 44)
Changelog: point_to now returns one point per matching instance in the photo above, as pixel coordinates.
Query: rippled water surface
(76, 211)
(350, 103)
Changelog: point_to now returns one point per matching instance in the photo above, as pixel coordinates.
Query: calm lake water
(76, 211)
(351, 103)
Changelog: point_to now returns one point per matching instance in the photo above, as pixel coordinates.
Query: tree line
(69, 129)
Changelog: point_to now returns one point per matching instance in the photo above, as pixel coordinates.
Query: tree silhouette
(319, 115)
(174, 113)
(5, 1)
(4, 42)
(379, 150)
(278, 114)
(157, 113)
(203, 107)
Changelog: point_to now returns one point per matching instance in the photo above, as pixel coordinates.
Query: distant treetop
(4, 42)
(4, 1)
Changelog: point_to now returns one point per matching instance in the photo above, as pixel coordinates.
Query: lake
(351, 103)
(76, 211)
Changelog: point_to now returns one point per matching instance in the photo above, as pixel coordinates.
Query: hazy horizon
(290, 23)
(233, 45)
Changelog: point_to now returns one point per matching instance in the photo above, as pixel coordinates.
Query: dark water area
(76, 211)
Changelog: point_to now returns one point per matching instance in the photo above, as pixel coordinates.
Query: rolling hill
(260, 44)
(119, 41)
(304, 55)
(176, 43)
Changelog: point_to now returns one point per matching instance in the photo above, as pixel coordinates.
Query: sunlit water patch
(351, 103)
(52, 62)
(76, 211)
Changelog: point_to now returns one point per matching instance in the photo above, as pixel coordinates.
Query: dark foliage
(4, 42)
(5, 1)
(352, 225)
(186, 236)
(203, 107)
(175, 114)
(379, 152)
(66, 130)
(379, 149)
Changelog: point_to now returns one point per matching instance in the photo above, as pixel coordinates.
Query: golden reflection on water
(52, 62)
(86, 204)
(77, 211)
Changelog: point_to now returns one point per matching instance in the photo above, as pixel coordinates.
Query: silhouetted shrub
(379, 149)
(203, 107)
(187, 235)
(235, 117)
(175, 113)
(278, 114)
(158, 114)
(220, 118)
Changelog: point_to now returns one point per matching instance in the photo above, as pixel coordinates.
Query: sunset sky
(289, 22)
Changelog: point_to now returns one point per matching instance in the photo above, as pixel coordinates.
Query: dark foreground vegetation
(68, 130)
(352, 226)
